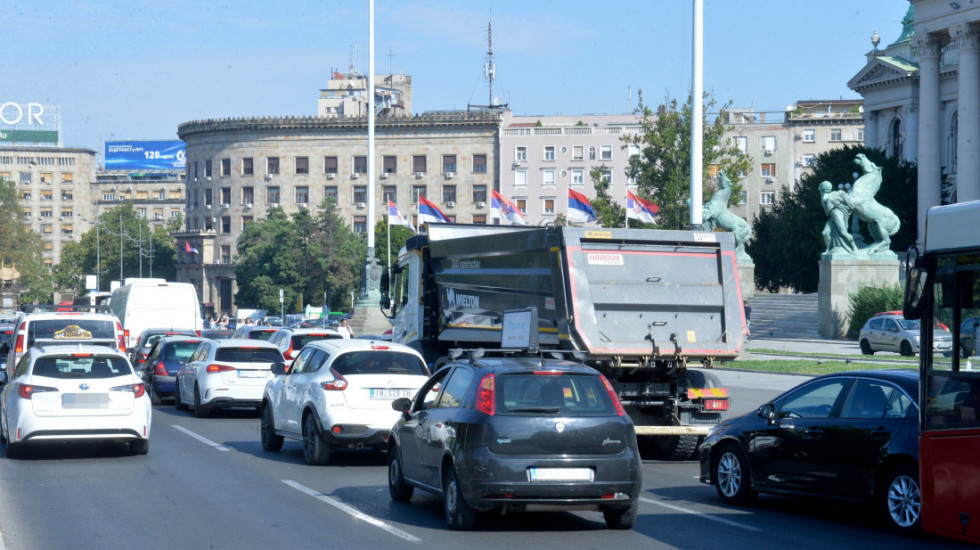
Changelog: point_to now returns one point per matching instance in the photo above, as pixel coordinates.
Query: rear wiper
(401, 371)
(536, 410)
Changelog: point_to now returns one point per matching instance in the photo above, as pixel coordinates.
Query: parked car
(164, 361)
(291, 340)
(338, 392)
(516, 434)
(139, 353)
(77, 392)
(895, 333)
(225, 373)
(851, 435)
(44, 325)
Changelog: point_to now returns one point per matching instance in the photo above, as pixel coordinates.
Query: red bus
(944, 286)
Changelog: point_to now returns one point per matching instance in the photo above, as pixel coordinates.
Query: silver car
(895, 333)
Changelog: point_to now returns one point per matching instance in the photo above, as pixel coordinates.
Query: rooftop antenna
(351, 69)
(489, 72)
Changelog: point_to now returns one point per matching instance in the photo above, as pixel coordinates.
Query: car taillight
(612, 395)
(137, 389)
(485, 401)
(289, 352)
(123, 337)
(161, 370)
(716, 404)
(27, 390)
(379, 347)
(218, 368)
(19, 344)
(339, 383)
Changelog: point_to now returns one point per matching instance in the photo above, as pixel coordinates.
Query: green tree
(22, 248)
(142, 244)
(662, 169)
(787, 241)
(399, 234)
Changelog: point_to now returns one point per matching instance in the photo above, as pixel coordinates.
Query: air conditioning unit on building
(208, 206)
(301, 204)
(799, 163)
(481, 204)
(449, 175)
(268, 176)
(450, 204)
(767, 152)
(354, 176)
(248, 205)
(383, 176)
(798, 137)
(418, 175)
(331, 176)
(361, 205)
(770, 180)
(209, 178)
(224, 206)
(517, 163)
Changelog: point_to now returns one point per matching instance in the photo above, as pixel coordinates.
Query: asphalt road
(207, 483)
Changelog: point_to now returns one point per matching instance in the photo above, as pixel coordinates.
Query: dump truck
(652, 310)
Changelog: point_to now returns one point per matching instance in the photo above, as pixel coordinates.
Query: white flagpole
(389, 242)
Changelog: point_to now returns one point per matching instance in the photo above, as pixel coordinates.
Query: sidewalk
(818, 346)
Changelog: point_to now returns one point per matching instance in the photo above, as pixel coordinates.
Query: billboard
(144, 155)
(30, 123)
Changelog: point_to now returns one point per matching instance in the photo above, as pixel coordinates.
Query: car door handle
(813, 431)
(881, 430)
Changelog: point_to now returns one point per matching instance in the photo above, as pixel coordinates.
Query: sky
(136, 69)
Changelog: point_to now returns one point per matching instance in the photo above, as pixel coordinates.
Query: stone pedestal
(842, 276)
(746, 278)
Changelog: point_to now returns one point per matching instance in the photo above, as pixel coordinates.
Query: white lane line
(705, 516)
(352, 511)
(202, 439)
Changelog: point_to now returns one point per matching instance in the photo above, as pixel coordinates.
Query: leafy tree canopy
(399, 234)
(22, 248)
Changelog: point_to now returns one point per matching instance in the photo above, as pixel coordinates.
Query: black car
(516, 434)
(850, 435)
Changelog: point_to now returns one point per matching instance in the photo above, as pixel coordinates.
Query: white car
(45, 326)
(339, 393)
(225, 373)
(291, 340)
(60, 392)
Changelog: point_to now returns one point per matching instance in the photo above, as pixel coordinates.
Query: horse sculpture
(882, 222)
(716, 215)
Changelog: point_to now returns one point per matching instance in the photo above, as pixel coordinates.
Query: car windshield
(248, 355)
(81, 365)
(907, 325)
(260, 334)
(180, 351)
(70, 329)
(300, 340)
(569, 394)
(378, 362)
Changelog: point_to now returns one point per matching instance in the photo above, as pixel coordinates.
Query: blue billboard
(144, 155)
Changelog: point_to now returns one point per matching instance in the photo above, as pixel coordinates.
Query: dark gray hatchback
(518, 434)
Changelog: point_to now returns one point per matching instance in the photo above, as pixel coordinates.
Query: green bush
(870, 300)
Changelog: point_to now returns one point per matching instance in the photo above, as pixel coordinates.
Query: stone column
(968, 138)
(929, 171)
(871, 129)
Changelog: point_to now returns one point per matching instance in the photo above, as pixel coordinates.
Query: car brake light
(546, 372)
(716, 404)
(123, 337)
(379, 347)
(612, 395)
(485, 401)
(27, 390)
(137, 389)
(161, 369)
(219, 368)
(339, 383)
(81, 355)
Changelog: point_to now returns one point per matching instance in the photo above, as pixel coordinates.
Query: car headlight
(917, 339)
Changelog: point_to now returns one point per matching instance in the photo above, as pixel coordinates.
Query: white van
(155, 303)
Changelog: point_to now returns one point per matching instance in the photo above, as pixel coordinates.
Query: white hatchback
(225, 373)
(60, 392)
(338, 393)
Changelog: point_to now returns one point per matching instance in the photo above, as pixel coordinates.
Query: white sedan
(338, 393)
(76, 392)
(225, 373)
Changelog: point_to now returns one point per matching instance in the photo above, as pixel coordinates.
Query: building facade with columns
(922, 100)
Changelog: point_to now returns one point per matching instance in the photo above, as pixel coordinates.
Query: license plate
(389, 394)
(943, 345)
(561, 474)
(85, 401)
(251, 374)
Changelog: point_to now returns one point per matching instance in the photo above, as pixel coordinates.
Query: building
(346, 95)
(542, 157)
(157, 196)
(922, 99)
(237, 169)
(55, 185)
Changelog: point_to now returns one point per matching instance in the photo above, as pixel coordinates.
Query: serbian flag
(395, 217)
(430, 213)
(640, 209)
(579, 209)
(190, 249)
(502, 208)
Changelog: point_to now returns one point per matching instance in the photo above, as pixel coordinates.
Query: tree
(399, 235)
(101, 245)
(22, 248)
(662, 169)
(787, 241)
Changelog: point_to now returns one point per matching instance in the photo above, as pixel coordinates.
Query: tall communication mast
(489, 72)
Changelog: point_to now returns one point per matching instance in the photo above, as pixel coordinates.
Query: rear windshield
(260, 334)
(68, 366)
(301, 340)
(180, 351)
(152, 339)
(70, 329)
(248, 355)
(378, 362)
(567, 394)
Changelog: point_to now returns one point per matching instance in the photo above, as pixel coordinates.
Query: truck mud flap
(672, 430)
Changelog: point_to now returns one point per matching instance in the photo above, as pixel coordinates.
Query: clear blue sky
(135, 69)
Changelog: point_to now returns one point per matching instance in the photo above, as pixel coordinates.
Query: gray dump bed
(630, 294)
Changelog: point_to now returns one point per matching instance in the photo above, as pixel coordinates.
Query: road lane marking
(352, 511)
(202, 439)
(705, 516)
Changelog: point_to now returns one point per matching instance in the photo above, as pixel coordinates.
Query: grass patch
(797, 366)
(880, 355)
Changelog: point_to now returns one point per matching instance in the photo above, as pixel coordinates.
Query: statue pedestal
(746, 279)
(841, 276)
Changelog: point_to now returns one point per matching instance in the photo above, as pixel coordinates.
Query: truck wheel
(672, 447)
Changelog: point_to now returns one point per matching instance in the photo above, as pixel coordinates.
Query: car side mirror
(3, 378)
(142, 375)
(402, 405)
(767, 411)
(278, 368)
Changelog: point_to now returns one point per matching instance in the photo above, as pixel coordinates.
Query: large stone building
(237, 169)
(922, 99)
(156, 196)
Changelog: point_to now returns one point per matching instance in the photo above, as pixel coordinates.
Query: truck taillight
(339, 383)
(213, 368)
(161, 369)
(716, 404)
(485, 396)
(612, 395)
(27, 390)
(137, 389)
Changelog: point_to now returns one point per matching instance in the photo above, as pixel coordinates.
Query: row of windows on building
(548, 177)
(578, 152)
(331, 165)
(301, 195)
(44, 177)
(67, 212)
(162, 194)
(808, 135)
(37, 161)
